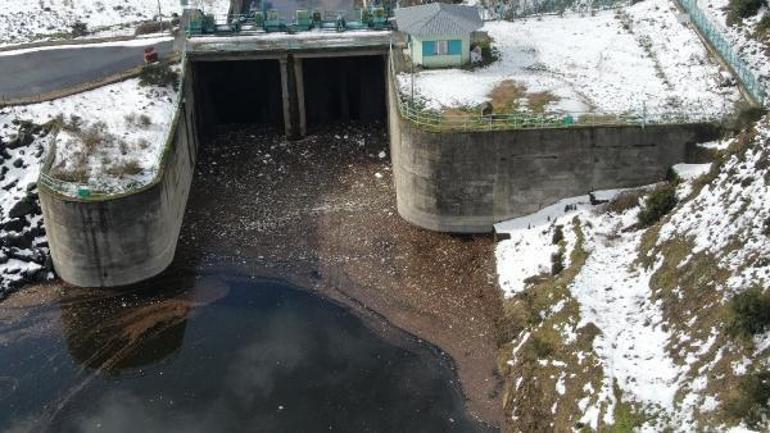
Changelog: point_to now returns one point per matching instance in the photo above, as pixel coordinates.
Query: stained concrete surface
(321, 214)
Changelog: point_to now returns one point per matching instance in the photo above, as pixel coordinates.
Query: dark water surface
(220, 354)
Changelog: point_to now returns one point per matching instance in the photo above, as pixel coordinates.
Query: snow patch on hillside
(735, 212)
(668, 374)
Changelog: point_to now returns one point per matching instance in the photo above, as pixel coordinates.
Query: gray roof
(437, 19)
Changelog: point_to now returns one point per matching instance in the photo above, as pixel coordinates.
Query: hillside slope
(610, 326)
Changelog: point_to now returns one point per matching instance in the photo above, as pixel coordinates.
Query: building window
(455, 47)
(428, 48)
(451, 47)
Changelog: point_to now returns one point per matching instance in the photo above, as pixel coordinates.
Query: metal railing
(468, 121)
(525, 8)
(714, 36)
(457, 120)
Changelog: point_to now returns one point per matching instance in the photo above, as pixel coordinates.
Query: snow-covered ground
(613, 62)
(667, 360)
(130, 123)
(741, 36)
(23, 21)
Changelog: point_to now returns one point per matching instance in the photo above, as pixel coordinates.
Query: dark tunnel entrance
(343, 89)
(238, 92)
(319, 92)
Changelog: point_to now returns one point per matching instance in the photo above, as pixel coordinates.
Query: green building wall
(444, 61)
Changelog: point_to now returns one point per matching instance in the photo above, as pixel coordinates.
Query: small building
(439, 33)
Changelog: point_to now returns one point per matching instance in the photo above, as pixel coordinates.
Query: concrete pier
(126, 238)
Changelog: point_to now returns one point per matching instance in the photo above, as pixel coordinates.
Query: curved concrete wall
(466, 182)
(125, 239)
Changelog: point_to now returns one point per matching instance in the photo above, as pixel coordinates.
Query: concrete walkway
(36, 72)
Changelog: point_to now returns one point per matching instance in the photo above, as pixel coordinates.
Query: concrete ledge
(465, 182)
(128, 238)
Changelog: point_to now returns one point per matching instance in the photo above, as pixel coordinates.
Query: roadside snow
(138, 42)
(592, 63)
(24, 21)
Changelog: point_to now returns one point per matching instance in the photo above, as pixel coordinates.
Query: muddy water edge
(320, 214)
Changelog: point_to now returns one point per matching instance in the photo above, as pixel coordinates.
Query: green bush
(672, 176)
(749, 313)
(740, 9)
(159, 74)
(658, 203)
(79, 29)
(752, 404)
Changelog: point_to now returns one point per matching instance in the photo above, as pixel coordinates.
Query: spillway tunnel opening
(341, 89)
(294, 95)
(233, 93)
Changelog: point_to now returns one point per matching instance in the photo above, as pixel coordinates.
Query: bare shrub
(624, 201)
(127, 168)
(160, 75)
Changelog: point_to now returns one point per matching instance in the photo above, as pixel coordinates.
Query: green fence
(725, 50)
(456, 120)
(523, 8)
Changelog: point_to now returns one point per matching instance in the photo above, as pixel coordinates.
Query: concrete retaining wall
(125, 239)
(466, 182)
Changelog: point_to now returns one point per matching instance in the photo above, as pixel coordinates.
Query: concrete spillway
(446, 181)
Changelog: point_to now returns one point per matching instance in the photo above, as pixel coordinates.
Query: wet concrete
(203, 352)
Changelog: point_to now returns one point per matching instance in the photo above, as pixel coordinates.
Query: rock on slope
(24, 254)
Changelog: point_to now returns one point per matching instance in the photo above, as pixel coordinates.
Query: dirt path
(321, 213)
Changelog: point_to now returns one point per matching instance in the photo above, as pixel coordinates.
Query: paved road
(39, 72)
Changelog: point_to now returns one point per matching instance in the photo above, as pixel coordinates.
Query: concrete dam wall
(127, 238)
(452, 181)
(466, 181)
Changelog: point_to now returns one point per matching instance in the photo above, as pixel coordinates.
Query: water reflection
(230, 354)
